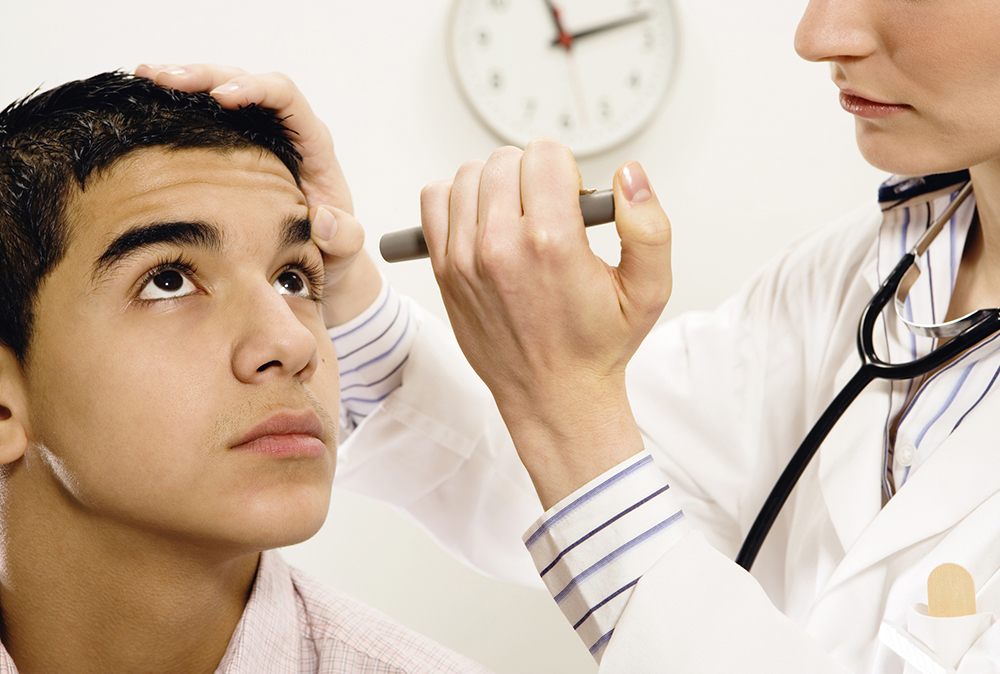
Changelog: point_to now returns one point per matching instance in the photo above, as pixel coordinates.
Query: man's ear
(13, 409)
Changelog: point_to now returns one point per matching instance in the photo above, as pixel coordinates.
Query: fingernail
(227, 88)
(175, 70)
(155, 67)
(635, 185)
(324, 225)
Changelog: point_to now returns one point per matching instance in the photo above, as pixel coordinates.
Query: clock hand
(562, 38)
(627, 21)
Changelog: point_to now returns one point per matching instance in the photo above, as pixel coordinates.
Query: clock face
(591, 73)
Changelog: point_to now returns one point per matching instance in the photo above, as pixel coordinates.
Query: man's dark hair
(67, 134)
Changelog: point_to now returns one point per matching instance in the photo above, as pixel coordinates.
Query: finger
(276, 92)
(463, 214)
(337, 233)
(550, 187)
(194, 77)
(644, 269)
(323, 179)
(434, 202)
(235, 87)
(499, 210)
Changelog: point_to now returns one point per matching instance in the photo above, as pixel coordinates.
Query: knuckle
(545, 242)
(654, 231)
(492, 258)
(282, 79)
(430, 190)
(505, 153)
(470, 166)
(547, 145)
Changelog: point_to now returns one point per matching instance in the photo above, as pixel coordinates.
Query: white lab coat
(723, 399)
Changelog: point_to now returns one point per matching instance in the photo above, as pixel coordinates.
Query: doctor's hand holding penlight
(546, 323)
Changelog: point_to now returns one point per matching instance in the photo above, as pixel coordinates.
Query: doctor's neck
(978, 282)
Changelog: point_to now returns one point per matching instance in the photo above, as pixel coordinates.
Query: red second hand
(577, 86)
(564, 39)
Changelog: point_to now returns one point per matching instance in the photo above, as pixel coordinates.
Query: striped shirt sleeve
(593, 547)
(371, 351)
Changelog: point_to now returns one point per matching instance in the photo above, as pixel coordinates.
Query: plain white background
(749, 151)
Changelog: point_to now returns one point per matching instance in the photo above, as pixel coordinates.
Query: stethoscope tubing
(872, 367)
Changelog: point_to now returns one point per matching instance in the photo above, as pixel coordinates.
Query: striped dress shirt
(293, 624)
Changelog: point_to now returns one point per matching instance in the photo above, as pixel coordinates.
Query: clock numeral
(635, 79)
(500, 5)
(483, 37)
(566, 120)
(604, 109)
(530, 108)
(648, 40)
(495, 79)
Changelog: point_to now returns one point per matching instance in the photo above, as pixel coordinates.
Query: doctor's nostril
(273, 363)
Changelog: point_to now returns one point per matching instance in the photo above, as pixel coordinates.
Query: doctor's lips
(863, 107)
(286, 434)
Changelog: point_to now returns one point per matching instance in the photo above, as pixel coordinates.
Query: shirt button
(905, 454)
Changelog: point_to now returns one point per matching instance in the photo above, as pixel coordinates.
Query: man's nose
(274, 342)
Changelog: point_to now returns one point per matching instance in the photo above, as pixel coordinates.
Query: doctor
(714, 404)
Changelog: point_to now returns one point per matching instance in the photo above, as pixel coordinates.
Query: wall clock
(591, 73)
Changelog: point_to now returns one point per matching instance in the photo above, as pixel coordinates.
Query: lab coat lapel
(850, 460)
(946, 488)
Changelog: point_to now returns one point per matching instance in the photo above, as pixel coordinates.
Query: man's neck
(99, 600)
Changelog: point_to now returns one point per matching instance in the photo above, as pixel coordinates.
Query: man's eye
(166, 284)
(291, 282)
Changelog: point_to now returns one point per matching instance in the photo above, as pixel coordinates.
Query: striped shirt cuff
(371, 351)
(592, 547)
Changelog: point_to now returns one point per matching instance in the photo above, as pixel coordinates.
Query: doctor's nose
(836, 30)
(273, 342)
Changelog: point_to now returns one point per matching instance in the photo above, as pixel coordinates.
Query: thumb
(644, 269)
(338, 234)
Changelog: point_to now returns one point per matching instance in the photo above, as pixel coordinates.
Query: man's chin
(269, 524)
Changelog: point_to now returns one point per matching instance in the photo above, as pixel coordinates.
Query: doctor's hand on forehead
(544, 321)
(352, 280)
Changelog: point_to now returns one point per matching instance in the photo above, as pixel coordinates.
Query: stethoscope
(962, 334)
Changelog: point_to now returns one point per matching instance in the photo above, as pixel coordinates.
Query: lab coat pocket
(933, 645)
(948, 638)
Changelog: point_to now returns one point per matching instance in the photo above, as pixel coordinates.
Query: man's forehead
(159, 184)
(191, 197)
(151, 168)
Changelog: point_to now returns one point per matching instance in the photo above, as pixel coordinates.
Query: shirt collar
(267, 637)
(909, 205)
(911, 190)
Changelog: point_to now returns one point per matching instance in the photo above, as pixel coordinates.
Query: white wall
(751, 149)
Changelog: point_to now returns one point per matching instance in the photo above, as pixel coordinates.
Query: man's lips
(868, 108)
(285, 433)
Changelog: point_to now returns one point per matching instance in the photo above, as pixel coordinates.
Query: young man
(168, 390)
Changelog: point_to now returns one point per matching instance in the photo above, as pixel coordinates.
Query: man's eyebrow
(144, 236)
(296, 232)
